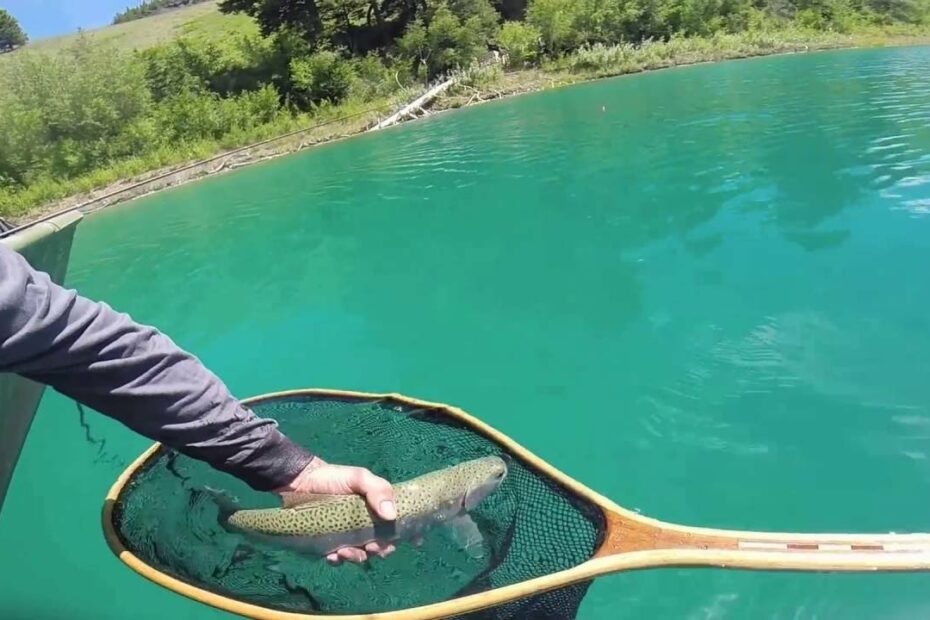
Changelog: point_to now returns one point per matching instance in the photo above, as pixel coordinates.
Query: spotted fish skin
(324, 523)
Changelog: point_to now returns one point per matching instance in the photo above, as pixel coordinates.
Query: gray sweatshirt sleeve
(136, 375)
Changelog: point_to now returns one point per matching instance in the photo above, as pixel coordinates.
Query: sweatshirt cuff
(274, 464)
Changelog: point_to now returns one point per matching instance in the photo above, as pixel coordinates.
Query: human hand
(321, 477)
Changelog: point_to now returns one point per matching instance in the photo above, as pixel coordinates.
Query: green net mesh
(168, 516)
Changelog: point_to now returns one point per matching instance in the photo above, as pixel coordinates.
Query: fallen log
(416, 105)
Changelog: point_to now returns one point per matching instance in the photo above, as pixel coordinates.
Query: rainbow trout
(321, 524)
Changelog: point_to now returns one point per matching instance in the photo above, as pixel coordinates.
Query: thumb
(379, 494)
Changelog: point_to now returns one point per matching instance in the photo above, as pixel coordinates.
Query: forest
(90, 114)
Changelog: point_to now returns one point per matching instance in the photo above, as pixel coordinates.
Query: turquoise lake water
(703, 292)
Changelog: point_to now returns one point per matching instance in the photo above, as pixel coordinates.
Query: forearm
(136, 375)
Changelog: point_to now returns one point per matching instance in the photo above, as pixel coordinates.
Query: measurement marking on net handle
(758, 545)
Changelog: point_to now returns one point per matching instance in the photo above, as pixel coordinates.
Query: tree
(301, 16)
(449, 34)
(150, 7)
(514, 10)
(11, 34)
(556, 21)
(359, 26)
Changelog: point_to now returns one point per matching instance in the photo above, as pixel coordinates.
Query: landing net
(168, 518)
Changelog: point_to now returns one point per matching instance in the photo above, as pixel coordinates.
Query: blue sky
(47, 18)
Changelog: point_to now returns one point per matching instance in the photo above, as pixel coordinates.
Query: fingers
(374, 548)
(378, 492)
(354, 554)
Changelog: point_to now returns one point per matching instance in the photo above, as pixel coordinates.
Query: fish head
(479, 478)
(459, 488)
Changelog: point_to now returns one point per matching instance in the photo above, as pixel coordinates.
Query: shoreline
(507, 85)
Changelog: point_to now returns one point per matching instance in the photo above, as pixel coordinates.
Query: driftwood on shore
(415, 107)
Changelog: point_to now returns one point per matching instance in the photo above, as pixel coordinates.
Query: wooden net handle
(763, 550)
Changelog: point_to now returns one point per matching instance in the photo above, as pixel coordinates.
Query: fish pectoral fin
(226, 503)
(471, 500)
(465, 532)
(292, 499)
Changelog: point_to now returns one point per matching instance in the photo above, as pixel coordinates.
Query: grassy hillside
(203, 21)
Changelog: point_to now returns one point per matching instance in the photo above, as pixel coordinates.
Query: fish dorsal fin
(291, 499)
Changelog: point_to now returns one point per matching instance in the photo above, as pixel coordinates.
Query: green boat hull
(47, 247)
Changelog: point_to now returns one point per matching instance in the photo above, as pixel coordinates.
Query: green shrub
(555, 21)
(479, 76)
(260, 106)
(64, 109)
(521, 42)
(23, 145)
(242, 64)
(375, 79)
(324, 76)
(810, 18)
